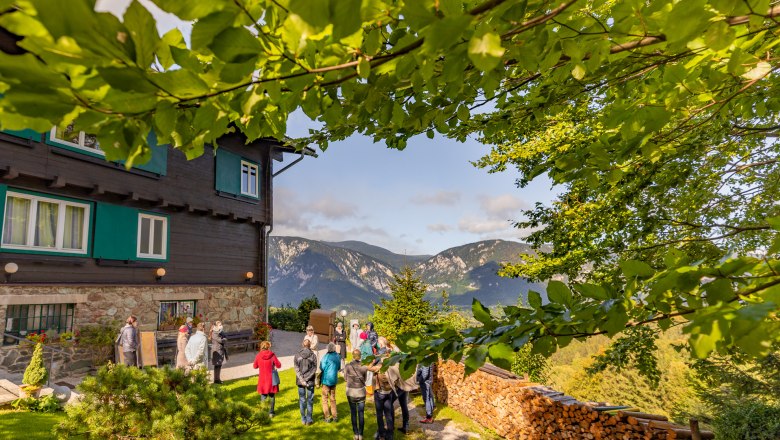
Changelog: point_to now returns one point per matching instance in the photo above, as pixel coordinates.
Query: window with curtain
(40, 223)
(152, 236)
(78, 139)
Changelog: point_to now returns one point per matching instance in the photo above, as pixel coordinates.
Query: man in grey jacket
(305, 363)
(129, 341)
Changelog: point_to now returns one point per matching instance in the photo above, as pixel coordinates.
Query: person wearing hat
(188, 323)
(366, 349)
(181, 344)
(354, 334)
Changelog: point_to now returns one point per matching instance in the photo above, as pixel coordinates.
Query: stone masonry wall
(237, 306)
(516, 409)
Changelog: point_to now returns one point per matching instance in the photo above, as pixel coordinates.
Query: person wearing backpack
(329, 377)
(355, 375)
(305, 364)
(384, 401)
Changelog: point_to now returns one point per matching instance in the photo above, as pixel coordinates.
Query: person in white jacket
(196, 348)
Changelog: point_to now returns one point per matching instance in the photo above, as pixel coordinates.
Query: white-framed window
(152, 236)
(76, 139)
(249, 181)
(41, 223)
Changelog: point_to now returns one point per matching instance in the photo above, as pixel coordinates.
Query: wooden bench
(241, 339)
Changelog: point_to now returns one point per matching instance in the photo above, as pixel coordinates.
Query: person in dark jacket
(129, 341)
(340, 339)
(219, 352)
(425, 380)
(355, 376)
(329, 374)
(305, 364)
(265, 362)
(384, 400)
(372, 337)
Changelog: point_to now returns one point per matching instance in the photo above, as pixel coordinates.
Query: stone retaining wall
(237, 306)
(75, 359)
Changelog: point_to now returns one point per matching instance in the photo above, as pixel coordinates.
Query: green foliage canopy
(658, 120)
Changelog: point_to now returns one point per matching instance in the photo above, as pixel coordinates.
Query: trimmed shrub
(126, 402)
(35, 375)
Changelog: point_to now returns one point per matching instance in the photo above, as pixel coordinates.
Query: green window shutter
(25, 134)
(158, 164)
(228, 172)
(116, 232)
(3, 190)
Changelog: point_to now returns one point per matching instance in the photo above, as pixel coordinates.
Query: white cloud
(331, 208)
(446, 198)
(483, 226)
(439, 227)
(505, 206)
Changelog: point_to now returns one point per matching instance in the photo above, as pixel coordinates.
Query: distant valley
(355, 275)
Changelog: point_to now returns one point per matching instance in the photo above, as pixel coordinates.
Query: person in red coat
(265, 362)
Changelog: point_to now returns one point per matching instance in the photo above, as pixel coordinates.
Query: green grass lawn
(28, 426)
(287, 423)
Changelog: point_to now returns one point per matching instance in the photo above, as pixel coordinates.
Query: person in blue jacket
(329, 374)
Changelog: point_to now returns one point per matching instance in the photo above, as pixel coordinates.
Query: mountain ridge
(355, 275)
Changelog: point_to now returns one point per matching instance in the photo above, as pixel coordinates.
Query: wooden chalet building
(85, 240)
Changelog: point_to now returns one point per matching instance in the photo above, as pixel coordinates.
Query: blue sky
(422, 200)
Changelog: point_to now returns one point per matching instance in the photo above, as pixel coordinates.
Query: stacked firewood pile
(518, 409)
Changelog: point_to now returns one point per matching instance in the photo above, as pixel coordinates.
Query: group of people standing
(362, 378)
(191, 347)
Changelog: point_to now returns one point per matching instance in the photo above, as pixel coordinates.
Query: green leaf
(482, 314)
(704, 343)
(578, 72)
(445, 32)
(634, 268)
(364, 68)
(475, 359)
(140, 22)
(205, 30)
(719, 290)
(181, 83)
(236, 45)
(485, 51)
(192, 9)
(534, 299)
(501, 355)
(559, 293)
(591, 291)
(345, 21)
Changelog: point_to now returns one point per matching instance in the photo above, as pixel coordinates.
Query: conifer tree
(35, 374)
(407, 311)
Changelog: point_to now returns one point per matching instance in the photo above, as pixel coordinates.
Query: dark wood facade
(213, 238)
